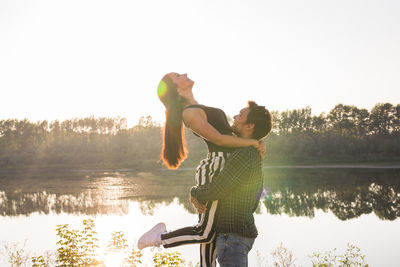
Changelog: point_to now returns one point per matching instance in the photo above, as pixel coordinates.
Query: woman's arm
(196, 120)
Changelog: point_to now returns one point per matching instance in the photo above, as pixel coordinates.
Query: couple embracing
(229, 180)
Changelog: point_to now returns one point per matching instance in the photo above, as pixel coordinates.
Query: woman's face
(183, 83)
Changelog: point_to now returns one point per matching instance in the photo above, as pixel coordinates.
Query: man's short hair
(261, 118)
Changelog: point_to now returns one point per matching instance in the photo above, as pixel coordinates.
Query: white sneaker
(151, 238)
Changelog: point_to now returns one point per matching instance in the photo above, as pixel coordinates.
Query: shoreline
(78, 169)
(335, 166)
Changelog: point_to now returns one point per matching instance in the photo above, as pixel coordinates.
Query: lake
(307, 209)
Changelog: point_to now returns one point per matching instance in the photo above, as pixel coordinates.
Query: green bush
(77, 248)
(167, 259)
(351, 258)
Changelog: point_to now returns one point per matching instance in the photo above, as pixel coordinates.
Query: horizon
(130, 124)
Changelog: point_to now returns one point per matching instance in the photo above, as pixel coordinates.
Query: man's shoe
(152, 237)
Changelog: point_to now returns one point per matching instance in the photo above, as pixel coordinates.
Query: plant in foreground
(351, 258)
(78, 248)
(283, 257)
(118, 244)
(167, 259)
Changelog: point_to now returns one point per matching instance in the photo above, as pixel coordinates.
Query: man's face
(240, 121)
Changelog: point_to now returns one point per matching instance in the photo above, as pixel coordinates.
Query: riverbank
(267, 165)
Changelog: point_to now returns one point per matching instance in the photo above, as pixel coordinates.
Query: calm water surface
(306, 209)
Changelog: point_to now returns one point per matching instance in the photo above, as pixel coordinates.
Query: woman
(175, 92)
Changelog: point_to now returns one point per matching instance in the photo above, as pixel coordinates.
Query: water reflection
(346, 193)
(295, 192)
(43, 202)
(91, 192)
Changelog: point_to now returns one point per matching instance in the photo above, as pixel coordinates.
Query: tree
(342, 119)
(382, 118)
(318, 123)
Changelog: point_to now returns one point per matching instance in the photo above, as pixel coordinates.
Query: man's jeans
(232, 250)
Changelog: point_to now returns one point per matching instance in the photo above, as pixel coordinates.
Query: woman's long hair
(173, 149)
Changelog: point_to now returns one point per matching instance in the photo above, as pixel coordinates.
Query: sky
(73, 59)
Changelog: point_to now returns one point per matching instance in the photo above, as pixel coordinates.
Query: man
(237, 188)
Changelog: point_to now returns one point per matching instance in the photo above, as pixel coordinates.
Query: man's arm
(236, 168)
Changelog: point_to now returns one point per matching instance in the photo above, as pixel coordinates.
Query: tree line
(345, 134)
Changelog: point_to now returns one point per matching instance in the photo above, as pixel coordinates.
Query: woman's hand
(261, 147)
(199, 207)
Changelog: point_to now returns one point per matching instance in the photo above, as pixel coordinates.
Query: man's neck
(244, 135)
(247, 136)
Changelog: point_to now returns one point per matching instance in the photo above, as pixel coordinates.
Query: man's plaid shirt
(237, 188)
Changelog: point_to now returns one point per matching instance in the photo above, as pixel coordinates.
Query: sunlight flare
(114, 259)
(162, 89)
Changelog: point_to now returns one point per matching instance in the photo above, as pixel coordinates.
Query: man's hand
(199, 207)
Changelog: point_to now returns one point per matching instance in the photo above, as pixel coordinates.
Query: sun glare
(162, 89)
(114, 259)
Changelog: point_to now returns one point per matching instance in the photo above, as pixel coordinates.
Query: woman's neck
(189, 101)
